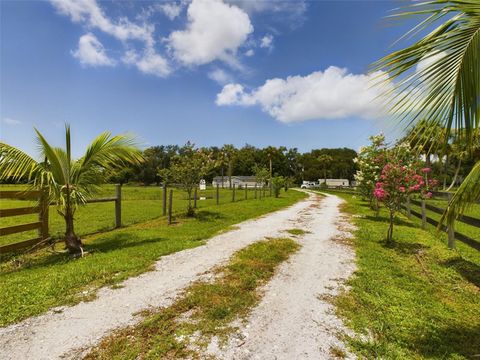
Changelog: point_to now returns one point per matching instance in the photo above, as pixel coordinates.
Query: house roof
(238, 177)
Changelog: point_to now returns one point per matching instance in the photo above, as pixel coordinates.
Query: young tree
(401, 177)
(370, 162)
(325, 161)
(69, 182)
(261, 175)
(187, 169)
(277, 183)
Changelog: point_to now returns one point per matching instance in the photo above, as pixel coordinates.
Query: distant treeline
(241, 161)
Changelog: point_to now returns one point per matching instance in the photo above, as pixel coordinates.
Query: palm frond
(467, 194)
(15, 164)
(446, 91)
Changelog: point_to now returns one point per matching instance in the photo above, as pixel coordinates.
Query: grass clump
(296, 232)
(33, 283)
(206, 309)
(414, 300)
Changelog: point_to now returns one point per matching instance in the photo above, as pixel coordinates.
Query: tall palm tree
(68, 182)
(229, 151)
(438, 78)
(325, 161)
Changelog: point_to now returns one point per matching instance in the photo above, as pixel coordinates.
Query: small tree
(188, 169)
(261, 175)
(69, 182)
(370, 162)
(277, 183)
(399, 179)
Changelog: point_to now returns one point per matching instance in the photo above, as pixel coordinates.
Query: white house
(238, 181)
(335, 182)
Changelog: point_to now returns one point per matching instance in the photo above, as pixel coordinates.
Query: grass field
(139, 204)
(415, 300)
(32, 284)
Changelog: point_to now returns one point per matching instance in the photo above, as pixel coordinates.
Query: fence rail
(233, 194)
(449, 228)
(41, 225)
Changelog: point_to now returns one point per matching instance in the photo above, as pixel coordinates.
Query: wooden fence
(423, 215)
(41, 225)
(42, 209)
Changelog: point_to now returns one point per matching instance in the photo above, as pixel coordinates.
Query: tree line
(229, 160)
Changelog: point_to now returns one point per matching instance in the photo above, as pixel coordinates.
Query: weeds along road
(291, 320)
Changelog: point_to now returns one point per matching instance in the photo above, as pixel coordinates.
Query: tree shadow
(405, 248)
(449, 342)
(466, 269)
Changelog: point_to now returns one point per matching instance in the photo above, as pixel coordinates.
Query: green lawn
(415, 300)
(139, 204)
(32, 284)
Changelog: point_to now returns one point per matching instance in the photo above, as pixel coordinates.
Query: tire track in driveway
(294, 320)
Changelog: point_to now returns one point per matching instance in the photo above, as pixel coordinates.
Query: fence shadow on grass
(208, 215)
(466, 269)
(119, 241)
(450, 342)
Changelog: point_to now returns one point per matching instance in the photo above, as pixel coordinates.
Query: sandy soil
(294, 319)
(290, 320)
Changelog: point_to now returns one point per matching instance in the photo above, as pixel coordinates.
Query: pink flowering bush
(400, 179)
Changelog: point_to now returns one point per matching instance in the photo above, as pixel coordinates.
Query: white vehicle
(309, 185)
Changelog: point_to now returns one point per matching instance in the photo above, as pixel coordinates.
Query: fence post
(409, 207)
(43, 215)
(255, 191)
(233, 193)
(451, 228)
(218, 194)
(118, 205)
(195, 198)
(170, 200)
(424, 215)
(164, 199)
(246, 191)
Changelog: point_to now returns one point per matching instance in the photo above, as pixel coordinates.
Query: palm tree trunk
(457, 170)
(72, 241)
(229, 174)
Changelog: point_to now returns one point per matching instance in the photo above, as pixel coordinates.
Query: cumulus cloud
(220, 76)
(330, 94)
(148, 63)
(11, 122)
(214, 31)
(266, 41)
(90, 52)
(171, 10)
(88, 11)
(249, 52)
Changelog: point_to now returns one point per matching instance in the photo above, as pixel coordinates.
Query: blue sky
(212, 72)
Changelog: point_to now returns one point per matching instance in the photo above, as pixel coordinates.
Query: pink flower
(429, 195)
(402, 189)
(426, 170)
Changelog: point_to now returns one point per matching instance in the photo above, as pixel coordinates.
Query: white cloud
(249, 52)
(149, 63)
(214, 31)
(220, 76)
(90, 52)
(266, 41)
(11, 122)
(88, 11)
(171, 10)
(331, 94)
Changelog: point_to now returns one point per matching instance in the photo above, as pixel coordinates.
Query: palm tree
(438, 78)
(229, 151)
(325, 161)
(68, 182)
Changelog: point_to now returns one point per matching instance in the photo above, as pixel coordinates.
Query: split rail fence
(42, 209)
(423, 214)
